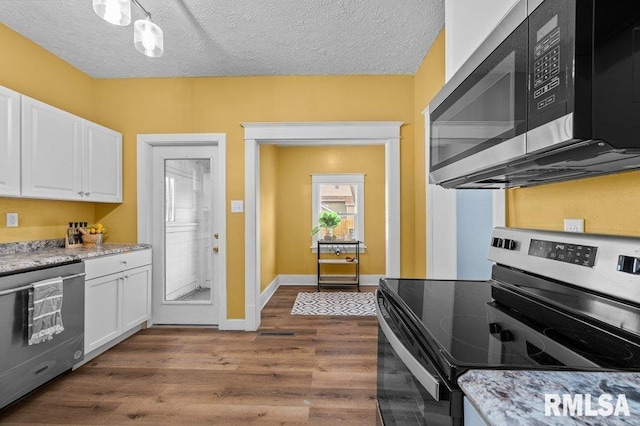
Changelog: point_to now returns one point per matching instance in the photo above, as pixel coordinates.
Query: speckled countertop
(18, 257)
(517, 398)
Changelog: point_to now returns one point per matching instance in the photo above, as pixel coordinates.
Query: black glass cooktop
(489, 324)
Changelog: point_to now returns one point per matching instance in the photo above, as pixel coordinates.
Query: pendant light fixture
(116, 12)
(147, 36)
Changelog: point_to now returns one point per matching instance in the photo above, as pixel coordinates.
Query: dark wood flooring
(325, 374)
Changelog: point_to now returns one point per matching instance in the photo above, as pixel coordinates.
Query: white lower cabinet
(102, 319)
(136, 295)
(117, 298)
(471, 415)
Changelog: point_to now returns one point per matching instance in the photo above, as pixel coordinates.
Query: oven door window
(402, 400)
(489, 107)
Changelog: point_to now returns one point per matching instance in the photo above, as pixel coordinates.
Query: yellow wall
(27, 68)
(185, 105)
(269, 235)
(609, 204)
(134, 106)
(428, 81)
(295, 166)
(32, 71)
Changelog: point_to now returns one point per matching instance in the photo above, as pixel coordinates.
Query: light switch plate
(12, 220)
(237, 206)
(574, 225)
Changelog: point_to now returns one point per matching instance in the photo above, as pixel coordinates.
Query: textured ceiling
(238, 37)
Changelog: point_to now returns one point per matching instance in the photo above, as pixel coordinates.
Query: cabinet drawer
(115, 263)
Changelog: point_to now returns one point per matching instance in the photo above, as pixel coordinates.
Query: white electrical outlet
(574, 225)
(12, 220)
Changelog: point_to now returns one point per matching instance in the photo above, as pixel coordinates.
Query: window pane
(340, 198)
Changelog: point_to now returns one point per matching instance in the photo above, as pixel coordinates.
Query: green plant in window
(327, 220)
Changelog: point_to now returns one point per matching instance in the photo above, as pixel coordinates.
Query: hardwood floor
(325, 374)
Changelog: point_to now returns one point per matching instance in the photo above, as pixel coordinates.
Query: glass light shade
(117, 12)
(147, 37)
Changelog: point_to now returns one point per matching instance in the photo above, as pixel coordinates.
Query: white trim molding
(385, 133)
(268, 292)
(442, 217)
(442, 257)
(145, 144)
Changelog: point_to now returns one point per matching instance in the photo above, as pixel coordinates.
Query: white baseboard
(313, 279)
(268, 292)
(287, 280)
(232, 325)
(108, 345)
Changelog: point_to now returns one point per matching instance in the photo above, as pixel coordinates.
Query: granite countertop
(508, 397)
(18, 257)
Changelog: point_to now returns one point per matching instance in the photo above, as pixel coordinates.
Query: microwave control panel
(548, 37)
(546, 65)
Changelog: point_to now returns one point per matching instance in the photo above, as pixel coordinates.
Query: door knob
(215, 249)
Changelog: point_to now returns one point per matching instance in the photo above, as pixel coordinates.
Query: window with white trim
(341, 193)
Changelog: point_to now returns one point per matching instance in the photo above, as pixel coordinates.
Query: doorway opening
(385, 133)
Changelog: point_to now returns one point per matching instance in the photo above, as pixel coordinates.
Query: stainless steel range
(556, 301)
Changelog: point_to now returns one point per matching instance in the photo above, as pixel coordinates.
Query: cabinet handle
(126, 276)
(215, 249)
(87, 193)
(81, 193)
(124, 262)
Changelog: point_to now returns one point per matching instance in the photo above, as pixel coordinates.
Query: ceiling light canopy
(147, 36)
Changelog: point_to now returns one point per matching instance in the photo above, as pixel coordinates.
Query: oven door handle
(30, 286)
(430, 383)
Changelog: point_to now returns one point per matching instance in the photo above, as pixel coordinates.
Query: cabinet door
(102, 314)
(51, 152)
(136, 305)
(9, 143)
(101, 163)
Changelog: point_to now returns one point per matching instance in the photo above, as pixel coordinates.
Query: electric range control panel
(604, 264)
(577, 254)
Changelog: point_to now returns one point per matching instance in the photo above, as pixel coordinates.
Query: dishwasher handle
(430, 383)
(29, 286)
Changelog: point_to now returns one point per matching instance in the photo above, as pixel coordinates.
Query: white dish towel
(45, 310)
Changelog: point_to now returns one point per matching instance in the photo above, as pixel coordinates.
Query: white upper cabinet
(101, 163)
(65, 157)
(51, 152)
(9, 143)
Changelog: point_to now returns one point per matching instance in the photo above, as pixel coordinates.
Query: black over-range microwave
(552, 94)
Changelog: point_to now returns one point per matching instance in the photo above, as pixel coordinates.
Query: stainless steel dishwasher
(25, 367)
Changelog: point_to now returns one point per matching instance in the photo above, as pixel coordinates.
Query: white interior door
(185, 235)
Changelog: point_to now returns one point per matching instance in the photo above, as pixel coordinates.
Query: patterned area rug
(335, 303)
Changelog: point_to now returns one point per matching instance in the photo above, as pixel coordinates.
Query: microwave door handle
(430, 383)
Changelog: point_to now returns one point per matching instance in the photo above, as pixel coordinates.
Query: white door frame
(146, 142)
(385, 133)
(442, 228)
